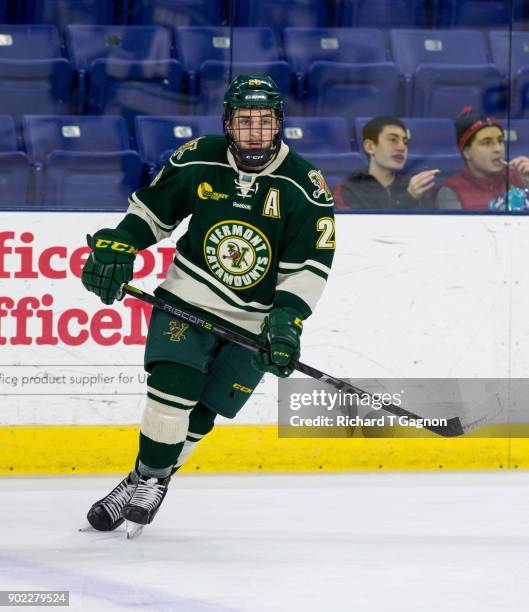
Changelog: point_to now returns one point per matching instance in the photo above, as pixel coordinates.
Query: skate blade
(133, 529)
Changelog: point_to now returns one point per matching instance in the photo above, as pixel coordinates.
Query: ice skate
(144, 504)
(106, 514)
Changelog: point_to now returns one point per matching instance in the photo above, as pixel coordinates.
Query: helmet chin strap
(254, 159)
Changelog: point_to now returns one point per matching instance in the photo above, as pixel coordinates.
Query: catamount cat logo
(191, 145)
(177, 331)
(316, 178)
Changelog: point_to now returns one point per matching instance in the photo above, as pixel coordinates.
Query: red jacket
(475, 192)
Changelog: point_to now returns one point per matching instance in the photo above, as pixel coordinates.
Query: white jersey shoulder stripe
(305, 285)
(135, 200)
(308, 262)
(287, 178)
(199, 163)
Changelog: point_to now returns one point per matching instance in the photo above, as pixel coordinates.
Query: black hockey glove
(280, 333)
(110, 264)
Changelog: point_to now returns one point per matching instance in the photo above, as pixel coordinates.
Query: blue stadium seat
(516, 137)
(352, 90)
(445, 70)
(3, 11)
(384, 14)
(510, 55)
(481, 13)
(326, 142)
(82, 162)
(279, 14)
(336, 167)
(158, 137)
(325, 135)
(432, 144)
(136, 60)
(306, 46)
(64, 12)
(176, 14)
(197, 45)
(14, 167)
(34, 78)
(212, 56)
(88, 43)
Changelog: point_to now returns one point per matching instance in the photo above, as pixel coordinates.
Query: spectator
(381, 187)
(487, 180)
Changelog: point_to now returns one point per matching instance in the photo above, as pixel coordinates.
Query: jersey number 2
(325, 226)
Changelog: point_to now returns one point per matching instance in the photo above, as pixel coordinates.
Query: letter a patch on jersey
(271, 205)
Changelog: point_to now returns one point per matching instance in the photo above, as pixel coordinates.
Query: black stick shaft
(452, 428)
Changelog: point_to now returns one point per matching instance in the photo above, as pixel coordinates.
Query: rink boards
(409, 296)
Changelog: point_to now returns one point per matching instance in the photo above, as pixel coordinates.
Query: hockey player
(256, 256)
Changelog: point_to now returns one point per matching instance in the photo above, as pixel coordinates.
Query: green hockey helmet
(253, 92)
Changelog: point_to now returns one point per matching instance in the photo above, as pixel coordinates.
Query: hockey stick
(454, 426)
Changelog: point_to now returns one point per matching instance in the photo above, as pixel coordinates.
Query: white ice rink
(365, 542)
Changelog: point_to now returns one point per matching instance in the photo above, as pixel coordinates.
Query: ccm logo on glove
(121, 247)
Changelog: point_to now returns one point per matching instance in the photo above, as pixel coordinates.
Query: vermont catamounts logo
(177, 331)
(237, 253)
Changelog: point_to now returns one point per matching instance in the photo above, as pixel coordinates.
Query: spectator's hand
(521, 165)
(420, 183)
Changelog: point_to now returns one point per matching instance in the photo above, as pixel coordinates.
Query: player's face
(391, 150)
(487, 152)
(254, 128)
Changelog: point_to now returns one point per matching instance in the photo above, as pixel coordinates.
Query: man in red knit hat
(487, 181)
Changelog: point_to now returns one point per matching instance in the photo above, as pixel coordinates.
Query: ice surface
(376, 542)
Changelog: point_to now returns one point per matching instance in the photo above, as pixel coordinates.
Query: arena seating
(352, 90)
(326, 142)
(33, 74)
(516, 137)
(163, 66)
(14, 167)
(305, 47)
(279, 14)
(211, 56)
(63, 12)
(510, 55)
(125, 70)
(158, 137)
(3, 11)
(444, 70)
(385, 13)
(480, 13)
(82, 161)
(173, 14)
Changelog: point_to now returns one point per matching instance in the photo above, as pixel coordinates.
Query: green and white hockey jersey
(254, 241)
